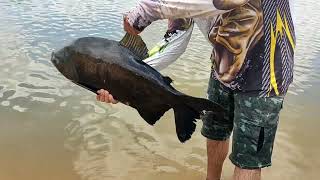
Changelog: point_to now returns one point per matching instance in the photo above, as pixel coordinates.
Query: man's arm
(228, 4)
(148, 11)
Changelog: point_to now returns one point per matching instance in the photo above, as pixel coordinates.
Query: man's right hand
(128, 28)
(105, 96)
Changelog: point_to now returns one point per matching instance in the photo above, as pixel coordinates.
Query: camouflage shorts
(253, 121)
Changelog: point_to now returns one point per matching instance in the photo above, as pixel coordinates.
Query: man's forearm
(148, 11)
(228, 4)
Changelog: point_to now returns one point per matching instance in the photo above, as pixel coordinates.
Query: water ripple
(113, 142)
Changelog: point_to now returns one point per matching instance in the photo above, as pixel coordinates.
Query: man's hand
(105, 96)
(128, 28)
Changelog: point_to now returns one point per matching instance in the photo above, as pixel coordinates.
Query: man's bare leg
(217, 152)
(246, 174)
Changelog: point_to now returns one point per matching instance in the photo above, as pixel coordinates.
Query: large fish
(97, 63)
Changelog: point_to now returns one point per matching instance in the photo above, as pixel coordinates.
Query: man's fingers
(105, 96)
(99, 95)
(112, 100)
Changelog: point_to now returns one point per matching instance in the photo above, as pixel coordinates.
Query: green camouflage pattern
(254, 122)
(214, 128)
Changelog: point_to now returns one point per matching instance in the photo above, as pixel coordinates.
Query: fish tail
(185, 119)
(190, 110)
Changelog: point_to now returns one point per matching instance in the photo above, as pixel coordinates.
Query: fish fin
(135, 44)
(185, 119)
(190, 110)
(200, 104)
(167, 79)
(152, 116)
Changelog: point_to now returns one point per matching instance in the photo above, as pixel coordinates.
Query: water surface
(51, 129)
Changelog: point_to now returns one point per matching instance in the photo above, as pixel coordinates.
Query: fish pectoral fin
(135, 44)
(185, 119)
(152, 116)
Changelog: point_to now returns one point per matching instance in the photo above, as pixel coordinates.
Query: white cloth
(171, 49)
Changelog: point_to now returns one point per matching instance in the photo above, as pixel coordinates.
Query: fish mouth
(53, 58)
(66, 68)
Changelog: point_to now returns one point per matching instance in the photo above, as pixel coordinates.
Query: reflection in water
(108, 147)
(52, 129)
(85, 136)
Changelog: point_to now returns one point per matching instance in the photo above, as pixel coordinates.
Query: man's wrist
(129, 28)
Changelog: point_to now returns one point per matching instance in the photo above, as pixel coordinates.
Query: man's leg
(255, 126)
(246, 174)
(218, 129)
(217, 152)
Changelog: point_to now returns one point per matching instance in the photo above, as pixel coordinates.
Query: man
(253, 46)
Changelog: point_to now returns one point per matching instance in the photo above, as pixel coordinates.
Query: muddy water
(51, 129)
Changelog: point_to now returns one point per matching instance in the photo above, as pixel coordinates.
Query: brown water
(51, 129)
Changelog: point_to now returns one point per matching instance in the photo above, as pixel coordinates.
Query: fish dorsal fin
(167, 79)
(135, 44)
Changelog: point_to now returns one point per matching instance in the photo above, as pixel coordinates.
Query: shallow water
(51, 129)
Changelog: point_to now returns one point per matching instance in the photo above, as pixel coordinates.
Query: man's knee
(246, 171)
(216, 144)
(246, 174)
(217, 150)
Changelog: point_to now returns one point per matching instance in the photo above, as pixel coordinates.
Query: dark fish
(98, 63)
